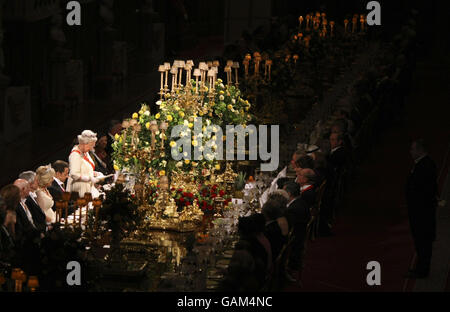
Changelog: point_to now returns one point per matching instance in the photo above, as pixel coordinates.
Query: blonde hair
(87, 136)
(44, 175)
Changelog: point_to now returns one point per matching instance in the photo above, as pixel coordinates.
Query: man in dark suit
(421, 197)
(306, 179)
(298, 216)
(26, 232)
(58, 186)
(36, 211)
(336, 161)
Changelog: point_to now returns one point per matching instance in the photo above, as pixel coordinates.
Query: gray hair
(28, 176)
(87, 136)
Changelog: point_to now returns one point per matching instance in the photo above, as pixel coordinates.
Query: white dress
(45, 201)
(81, 173)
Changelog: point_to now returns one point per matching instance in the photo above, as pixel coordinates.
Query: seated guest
(281, 182)
(292, 165)
(58, 186)
(36, 211)
(340, 127)
(307, 179)
(44, 176)
(303, 162)
(272, 211)
(100, 157)
(25, 225)
(338, 155)
(9, 199)
(281, 197)
(26, 233)
(298, 216)
(251, 259)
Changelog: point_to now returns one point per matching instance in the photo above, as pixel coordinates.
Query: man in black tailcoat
(298, 216)
(421, 198)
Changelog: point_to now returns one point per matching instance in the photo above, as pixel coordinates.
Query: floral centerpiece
(187, 106)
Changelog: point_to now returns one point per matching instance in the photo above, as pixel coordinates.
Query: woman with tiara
(82, 174)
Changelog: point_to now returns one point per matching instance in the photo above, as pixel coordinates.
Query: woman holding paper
(82, 174)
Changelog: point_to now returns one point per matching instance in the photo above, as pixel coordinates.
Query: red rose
(181, 200)
(172, 189)
(204, 204)
(190, 195)
(180, 190)
(213, 196)
(210, 207)
(221, 193)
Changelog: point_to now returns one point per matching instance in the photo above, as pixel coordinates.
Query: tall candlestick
(236, 66)
(345, 24)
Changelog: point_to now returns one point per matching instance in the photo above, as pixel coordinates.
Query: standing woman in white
(82, 174)
(44, 177)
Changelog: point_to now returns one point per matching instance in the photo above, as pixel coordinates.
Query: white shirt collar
(58, 181)
(335, 149)
(419, 159)
(304, 187)
(289, 203)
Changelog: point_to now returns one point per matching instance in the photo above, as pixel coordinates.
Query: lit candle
(173, 71)
(361, 19)
(197, 73)
(308, 17)
(354, 22)
(345, 24)
(166, 84)
(227, 70)
(332, 28)
(162, 69)
(181, 65)
(269, 64)
(236, 66)
(300, 20)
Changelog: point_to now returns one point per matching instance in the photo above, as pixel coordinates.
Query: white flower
(183, 134)
(179, 164)
(208, 122)
(222, 86)
(200, 157)
(200, 135)
(233, 101)
(201, 148)
(162, 136)
(157, 132)
(186, 123)
(147, 113)
(164, 163)
(185, 154)
(158, 102)
(221, 97)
